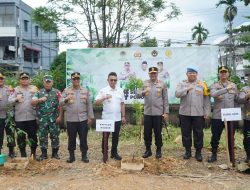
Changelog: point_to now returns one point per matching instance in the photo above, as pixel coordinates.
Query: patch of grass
(131, 134)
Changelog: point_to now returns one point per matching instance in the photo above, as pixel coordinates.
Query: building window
(27, 55)
(31, 55)
(35, 56)
(25, 23)
(36, 30)
(7, 16)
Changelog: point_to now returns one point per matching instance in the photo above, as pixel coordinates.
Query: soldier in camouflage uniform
(25, 114)
(4, 94)
(225, 95)
(49, 114)
(244, 98)
(194, 109)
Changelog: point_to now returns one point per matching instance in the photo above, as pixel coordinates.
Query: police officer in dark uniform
(4, 94)
(25, 114)
(79, 113)
(244, 98)
(194, 109)
(156, 108)
(225, 95)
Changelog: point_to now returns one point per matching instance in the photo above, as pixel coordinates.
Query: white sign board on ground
(231, 114)
(103, 125)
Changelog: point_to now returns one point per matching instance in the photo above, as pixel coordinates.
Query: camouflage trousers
(48, 127)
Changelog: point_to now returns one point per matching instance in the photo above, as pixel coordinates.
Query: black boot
(71, 157)
(23, 152)
(198, 155)
(158, 153)
(147, 153)
(11, 152)
(116, 156)
(44, 155)
(213, 157)
(187, 154)
(248, 157)
(85, 158)
(55, 153)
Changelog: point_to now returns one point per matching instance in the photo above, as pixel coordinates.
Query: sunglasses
(76, 79)
(1, 78)
(113, 80)
(25, 78)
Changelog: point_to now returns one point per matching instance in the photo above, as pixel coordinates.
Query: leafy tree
(149, 42)
(229, 15)
(246, 2)
(58, 71)
(103, 23)
(199, 33)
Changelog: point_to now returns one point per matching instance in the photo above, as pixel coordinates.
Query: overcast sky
(179, 30)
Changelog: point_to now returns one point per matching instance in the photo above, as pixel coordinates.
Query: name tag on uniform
(103, 125)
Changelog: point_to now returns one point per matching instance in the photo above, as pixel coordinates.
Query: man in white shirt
(112, 98)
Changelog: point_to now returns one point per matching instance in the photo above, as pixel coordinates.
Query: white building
(226, 59)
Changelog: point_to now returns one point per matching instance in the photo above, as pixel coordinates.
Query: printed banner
(95, 64)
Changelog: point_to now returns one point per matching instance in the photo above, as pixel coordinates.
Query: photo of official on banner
(94, 64)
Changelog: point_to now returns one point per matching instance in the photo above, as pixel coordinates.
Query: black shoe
(55, 153)
(71, 157)
(85, 158)
(158, 154)
(188, 154)
(212, 158)
(43, 156)
(11, 152)
(23, 152)
(247, 160)
(198, 155)
(147, 154)
(116, 156)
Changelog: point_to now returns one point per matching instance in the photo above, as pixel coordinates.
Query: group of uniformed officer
(48, 104)
(195, 108)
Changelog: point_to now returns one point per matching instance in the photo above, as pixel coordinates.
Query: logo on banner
(168, 53)
(154, 53)
(137, 54)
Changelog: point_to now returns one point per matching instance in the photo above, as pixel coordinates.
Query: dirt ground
(170, 172)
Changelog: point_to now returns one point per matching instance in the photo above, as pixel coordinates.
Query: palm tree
(229, 14)
(199, 33)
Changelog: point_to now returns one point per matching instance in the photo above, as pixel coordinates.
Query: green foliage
(235, 79)
(134, 84)
(46, 18)
(138, 107)
(149, 42)
(200, 33)
(230, 11)
(37, 80)
(58, 71)
(106, 21)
